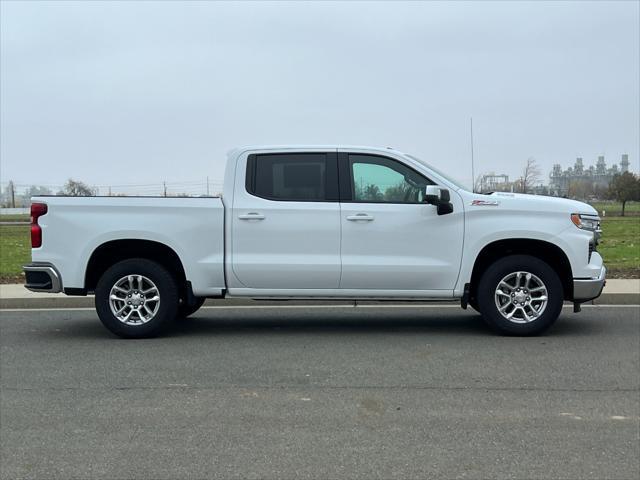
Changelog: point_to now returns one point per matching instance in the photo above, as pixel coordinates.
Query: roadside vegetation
(614, 209)
(620, 245)
(18, 217)
(15, 251)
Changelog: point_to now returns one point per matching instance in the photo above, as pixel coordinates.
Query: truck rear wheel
(136, 298)
(520, 295)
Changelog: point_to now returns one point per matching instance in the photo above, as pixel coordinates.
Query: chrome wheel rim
(134, 300)
(521, 297)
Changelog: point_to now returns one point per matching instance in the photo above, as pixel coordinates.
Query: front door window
(382, 180)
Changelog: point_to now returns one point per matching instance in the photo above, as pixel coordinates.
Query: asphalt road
(321, 393)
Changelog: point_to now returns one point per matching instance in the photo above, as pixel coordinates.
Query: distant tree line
(623, 188)
(10, 198)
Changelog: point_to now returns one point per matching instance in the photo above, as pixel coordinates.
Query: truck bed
(74, 227)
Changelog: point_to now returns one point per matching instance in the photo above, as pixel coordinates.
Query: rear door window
(302, 177)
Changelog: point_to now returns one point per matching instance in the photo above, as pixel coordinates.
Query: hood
(539, 203)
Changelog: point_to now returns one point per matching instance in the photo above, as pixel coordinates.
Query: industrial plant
(598, 176)
(592, 180)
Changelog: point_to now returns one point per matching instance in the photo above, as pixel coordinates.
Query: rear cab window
(298, 177)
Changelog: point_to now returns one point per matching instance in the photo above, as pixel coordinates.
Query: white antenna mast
(473, 176)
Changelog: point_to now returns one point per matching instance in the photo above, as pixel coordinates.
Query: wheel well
(545, 251)
(110, 253)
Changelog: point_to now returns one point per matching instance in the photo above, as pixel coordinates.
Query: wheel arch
(113, 251)
(548, 252)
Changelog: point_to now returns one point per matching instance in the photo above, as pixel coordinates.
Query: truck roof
(245, 148)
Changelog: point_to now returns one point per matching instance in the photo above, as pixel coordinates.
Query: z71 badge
(485, 203)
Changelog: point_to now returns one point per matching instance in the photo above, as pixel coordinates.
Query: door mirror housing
(445, 208)
(440, 197)
(432, 194)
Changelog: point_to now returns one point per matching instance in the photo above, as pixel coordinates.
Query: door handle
(251, 216)
(360, 216)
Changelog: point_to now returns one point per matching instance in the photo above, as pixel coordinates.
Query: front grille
(592, 248)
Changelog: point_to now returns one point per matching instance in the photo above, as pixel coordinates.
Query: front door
(285, 222)
(391, 240)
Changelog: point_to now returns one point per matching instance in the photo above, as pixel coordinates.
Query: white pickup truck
(319, 223)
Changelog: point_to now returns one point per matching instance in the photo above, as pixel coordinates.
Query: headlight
(586, 222)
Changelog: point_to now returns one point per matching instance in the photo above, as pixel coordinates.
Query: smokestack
(624, 164)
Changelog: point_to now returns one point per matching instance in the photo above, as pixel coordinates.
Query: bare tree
(580, 189)
(35, 190)
(76, 188)
(530, 175)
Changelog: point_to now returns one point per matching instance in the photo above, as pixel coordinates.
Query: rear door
(286, 221)
(391, 240)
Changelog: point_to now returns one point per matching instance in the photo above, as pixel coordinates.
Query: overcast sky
(135, 93)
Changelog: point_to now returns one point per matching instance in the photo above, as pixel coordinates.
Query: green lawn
(620, 247)
(18, 217)
(614, 209)
(15, 251)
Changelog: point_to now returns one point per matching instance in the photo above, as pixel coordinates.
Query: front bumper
(590, 288)
(42, 277)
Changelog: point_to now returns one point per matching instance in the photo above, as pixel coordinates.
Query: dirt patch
(5, 279)
(631, 272)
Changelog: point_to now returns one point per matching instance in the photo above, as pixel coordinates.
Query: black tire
(184, 309)
(487, 294)
(167, 305)
(474, 304)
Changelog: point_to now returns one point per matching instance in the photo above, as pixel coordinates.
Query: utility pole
(207, 185)
(164, 185)
(13, 194)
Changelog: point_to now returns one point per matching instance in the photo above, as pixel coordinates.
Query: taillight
(37, 210)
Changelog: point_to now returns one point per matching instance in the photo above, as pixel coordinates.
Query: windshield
(439, 172)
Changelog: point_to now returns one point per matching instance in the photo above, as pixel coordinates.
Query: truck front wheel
(136, 298)
(520, 295)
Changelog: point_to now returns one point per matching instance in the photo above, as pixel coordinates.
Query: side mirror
(445, 208)
(440, 197)
(432, 194)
